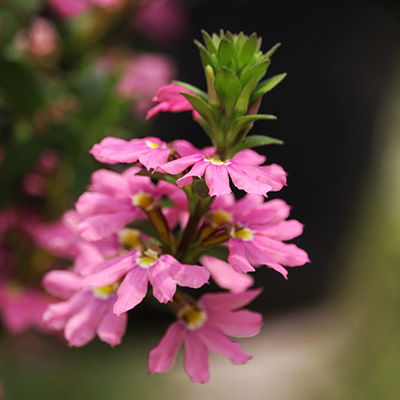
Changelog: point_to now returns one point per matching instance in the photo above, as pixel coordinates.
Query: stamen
(216, 161)
(130, 239)
(142, 200)
(220, 217)
(154, 145)
(192, 317)
(147, 259)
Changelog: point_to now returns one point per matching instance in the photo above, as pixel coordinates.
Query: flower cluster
(159, 222)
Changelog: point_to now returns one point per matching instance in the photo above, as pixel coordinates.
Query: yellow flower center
(104, 292)
(130, 239)
(245, 234)
(192, 317)
(147, 259)
(142, 200)
(216, 161)
(220, 217)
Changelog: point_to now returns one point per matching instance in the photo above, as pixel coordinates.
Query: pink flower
(258, 230)
(203, 327)
(117, 199)
(170, 100)
(162, 20)
(138, 268)
(86, 312)
(243, 169)
(142, 77)
(150, 151)
(73, 8)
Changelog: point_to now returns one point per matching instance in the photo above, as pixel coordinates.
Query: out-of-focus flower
(72, 8)
(164, 21)
(203, 326)
(141, 78)
(41, 41)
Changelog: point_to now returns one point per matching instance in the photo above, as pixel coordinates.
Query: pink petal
(62, 284)
(112, 270)
(225, 276)
(114, 150)
(162, 357)
(177, 166)
(240, 323)
(132, 290)
(212, 302)
(250, 157)
(249, 184)
(154, 158)
(192, 276)
(97, 227)
(197, 170)
(164, 286)
(286, 254)
(90, 203)
(217, 342)
(81, 327)
(217, 180)
(196, 358)
(285, 230)
(237, 256)
(112, 328)
(184, 148)
(109, 182)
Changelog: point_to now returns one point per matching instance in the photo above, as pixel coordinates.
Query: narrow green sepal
(193, 89)
(209, 42)
(248, 51)
(202, 107)
(206, 57)
(244, 98)
(246, 119)
(228, 88)
(227, 55)
(272, 50)
(267, 85)
(253, 141)
(157, 175)
(258, 70)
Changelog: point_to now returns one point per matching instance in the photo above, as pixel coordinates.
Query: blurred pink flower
(164, 21)
(141, 78)
(72, 8)
(22, 308)
(203, 327)
(41, 40)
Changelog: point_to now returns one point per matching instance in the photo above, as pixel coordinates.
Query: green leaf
(209, 42)
(253, 141)
(193, 89)
(258, 70)
(229, 36)
(201, 107)
(216, 40)
(227, 55)
(228, 88)
(267, 85)
(206, 58)
(240, 41)
(248, 51)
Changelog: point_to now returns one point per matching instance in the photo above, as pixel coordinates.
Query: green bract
(234, 68)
